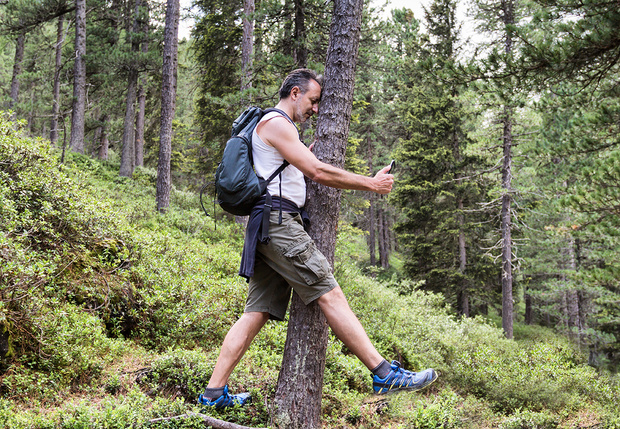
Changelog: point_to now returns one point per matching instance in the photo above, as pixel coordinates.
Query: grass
(122, 310)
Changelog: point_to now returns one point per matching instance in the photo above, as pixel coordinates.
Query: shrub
(530, 420)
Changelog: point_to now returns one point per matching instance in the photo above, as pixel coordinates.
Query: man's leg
(235, 345)
(348, 328)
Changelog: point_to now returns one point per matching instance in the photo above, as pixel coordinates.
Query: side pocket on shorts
(310, 264)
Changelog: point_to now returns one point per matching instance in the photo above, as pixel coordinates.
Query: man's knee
(256, 318)
(333, 298)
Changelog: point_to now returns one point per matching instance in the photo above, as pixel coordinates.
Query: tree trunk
(17, 69)
(372, 227)
(168, 104)
(572, 295)
(372, 209)
(76, 142)
(287, 40)
(139, 140)
(506, 228)
(58, 65)
(128, 154)
(463, 304)
(246, 66)
(247, 45)
(298, 393)
(384, 236)
(300, 52)
(104, 146)
(506, 216)
(529, 315)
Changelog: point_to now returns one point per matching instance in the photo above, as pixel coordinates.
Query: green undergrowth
(112, 314)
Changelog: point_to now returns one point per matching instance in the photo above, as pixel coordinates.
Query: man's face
(307, 104)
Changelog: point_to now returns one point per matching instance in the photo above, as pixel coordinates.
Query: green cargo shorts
(289, 261)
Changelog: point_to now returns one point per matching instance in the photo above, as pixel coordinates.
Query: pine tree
(435, 231)
(301, 383)
(76, 142)
(168, 104)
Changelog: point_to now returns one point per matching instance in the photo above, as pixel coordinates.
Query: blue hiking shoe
(401, 379)
(226, 400)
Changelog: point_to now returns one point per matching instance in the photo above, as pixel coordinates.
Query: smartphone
(392, 165)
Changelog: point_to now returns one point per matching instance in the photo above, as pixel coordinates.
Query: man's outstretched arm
(282, 135)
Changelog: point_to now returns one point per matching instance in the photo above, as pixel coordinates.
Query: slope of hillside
(112, 314)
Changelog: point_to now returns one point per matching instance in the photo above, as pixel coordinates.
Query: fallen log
(208, 420)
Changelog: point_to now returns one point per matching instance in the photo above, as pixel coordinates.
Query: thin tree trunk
(17, 69)
(384, 236)
(298, 393)
(372, 227)
(372, 223)
(529, 316)
(31, 112)
(168, 104)
(58, 65)
(104, 146)
(506, 216)
(287, 44)
(300, 52)
(247, 45)
(76, 142)
(128, 155)
(139, 142)
(463, 305)
(572, 296)
(258, 32)
(246, 66)
(506, 229)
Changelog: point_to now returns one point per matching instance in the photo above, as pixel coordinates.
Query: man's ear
(295, 92)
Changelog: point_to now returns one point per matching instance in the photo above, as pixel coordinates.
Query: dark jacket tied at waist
(258, 228)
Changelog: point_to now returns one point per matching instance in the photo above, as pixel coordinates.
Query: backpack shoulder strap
(281, 112)
(285, 163)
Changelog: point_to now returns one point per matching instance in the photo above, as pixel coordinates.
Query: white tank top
(267, 159)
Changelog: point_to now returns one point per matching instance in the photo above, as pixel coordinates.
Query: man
(288, 258)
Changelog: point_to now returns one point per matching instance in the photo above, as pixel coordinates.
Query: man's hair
(299, 78)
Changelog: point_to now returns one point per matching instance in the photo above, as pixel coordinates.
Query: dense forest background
(506, 138)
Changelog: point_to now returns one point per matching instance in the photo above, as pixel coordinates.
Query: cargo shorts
(290, 261)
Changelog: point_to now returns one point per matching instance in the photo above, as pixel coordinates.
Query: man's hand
(384, 181)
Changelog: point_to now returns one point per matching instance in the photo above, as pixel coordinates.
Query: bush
(530, 420)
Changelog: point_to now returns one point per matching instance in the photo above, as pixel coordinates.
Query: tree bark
(168, 104)
(298, 393)
(58, 65)
(76, 142)
(17, 69)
